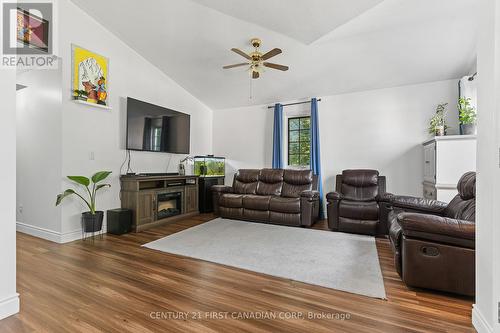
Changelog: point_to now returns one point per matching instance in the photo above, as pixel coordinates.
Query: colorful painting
(90, 77)
(32, 31)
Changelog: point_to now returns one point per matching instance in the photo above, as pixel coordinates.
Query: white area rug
(330, 259)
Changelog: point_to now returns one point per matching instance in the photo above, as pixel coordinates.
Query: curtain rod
(296, 103)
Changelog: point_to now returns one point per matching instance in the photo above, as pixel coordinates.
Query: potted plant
(92, 219)
(437, 124)
(467, 116)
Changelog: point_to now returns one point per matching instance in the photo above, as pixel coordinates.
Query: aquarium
(209, 166)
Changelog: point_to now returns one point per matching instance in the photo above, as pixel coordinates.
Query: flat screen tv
(154, 128)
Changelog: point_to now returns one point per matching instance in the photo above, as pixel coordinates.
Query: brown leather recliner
(354, 206)
(287, 197)
(434, 242)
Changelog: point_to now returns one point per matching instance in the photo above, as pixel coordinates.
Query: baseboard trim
(9, 306)
(50, 235)
(479, 322)
(32, 230)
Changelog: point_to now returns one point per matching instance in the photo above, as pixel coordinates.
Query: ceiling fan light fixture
(256, 59)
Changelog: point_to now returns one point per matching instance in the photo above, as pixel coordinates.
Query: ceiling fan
(257, 60)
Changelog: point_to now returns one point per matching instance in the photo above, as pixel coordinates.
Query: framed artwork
(32, 31)
(90, 77)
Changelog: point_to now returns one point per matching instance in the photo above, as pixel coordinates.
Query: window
(299, 141)
(156, 144)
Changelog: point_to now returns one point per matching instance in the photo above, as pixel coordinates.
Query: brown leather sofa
(434, 242)
(354, 207)
(287, 197)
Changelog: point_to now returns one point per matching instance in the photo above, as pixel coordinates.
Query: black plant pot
(92, 222)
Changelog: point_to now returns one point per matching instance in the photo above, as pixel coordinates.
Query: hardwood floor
(115, 285)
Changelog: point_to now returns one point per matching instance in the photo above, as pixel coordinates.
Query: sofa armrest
(331, 196)
(310, 194)
(217, 192)
(420, 205)
(309, 208)
(222, 188)
(438, 229)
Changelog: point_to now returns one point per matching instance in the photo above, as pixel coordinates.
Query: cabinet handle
(427, 162)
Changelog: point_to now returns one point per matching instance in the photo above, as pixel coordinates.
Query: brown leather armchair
(354, 206)
(287, 197)
(434, 242)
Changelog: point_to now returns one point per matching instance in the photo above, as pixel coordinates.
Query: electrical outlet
(21, 208)
(92, 156)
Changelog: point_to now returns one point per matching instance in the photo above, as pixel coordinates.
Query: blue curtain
(278, 137)
(315, 151)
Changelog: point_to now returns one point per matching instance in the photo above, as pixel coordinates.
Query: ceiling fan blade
(276, 66)
(241, 53)
(255, 75)
(271, 54)
(236, 65)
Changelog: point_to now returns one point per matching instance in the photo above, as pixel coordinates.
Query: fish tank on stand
(212, 171)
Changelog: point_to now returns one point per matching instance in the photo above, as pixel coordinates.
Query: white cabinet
(446, 159)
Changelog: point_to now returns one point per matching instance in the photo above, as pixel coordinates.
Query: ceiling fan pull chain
(251, 88)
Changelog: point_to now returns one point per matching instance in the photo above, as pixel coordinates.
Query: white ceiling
(331, 46)
(303, 20)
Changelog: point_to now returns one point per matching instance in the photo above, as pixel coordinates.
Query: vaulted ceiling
(331, 46)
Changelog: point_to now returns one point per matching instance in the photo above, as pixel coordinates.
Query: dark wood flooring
(115, 285)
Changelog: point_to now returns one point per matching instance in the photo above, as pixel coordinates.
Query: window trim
(287, 143)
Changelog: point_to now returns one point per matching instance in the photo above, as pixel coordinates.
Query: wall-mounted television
(154, 128)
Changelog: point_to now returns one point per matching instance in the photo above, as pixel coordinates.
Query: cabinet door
(146, 208)
(191, 199)
(430, 163)
(430, 191)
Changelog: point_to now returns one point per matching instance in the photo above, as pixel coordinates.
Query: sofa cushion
(245, 181)
(355, 226)
(284, 219)
(284, 205)
(256, 215)
(231, 200)
(295, 182)
(467, 186)
(361, 210)
(360, 178)
(270, 182)
(359, 184)
(256, 202)
(232, 213)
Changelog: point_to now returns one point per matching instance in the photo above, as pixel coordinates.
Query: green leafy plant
(91, 186)
(438, 120)
(467, 111)
(80, 93)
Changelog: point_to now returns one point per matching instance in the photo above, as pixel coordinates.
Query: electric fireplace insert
(169, 204)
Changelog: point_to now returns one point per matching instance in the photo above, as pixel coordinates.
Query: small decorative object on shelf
(92, 219)
(437, 124)
(467, 116)
(182, 167)
(209, 166)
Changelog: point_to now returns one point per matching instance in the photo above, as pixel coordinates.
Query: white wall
(485, 312)
(9, 299)
(85, 130)
(39, 148)
(89, 129)
(380, 129)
